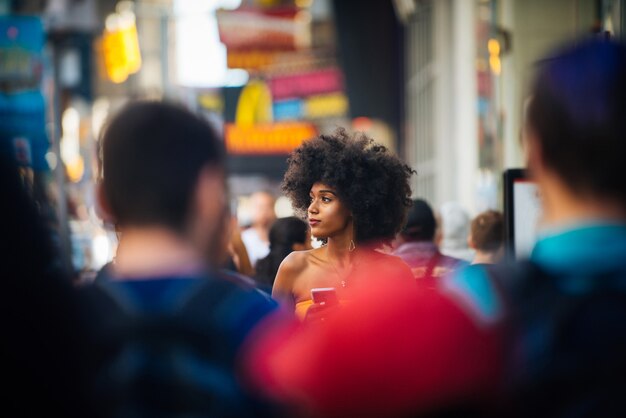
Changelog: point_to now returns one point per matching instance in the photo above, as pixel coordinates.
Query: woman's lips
(314, 222)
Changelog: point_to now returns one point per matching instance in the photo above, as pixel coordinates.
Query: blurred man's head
(164, 167)
(420, 224)
(575, 126)
(262, 209)
(487, 233)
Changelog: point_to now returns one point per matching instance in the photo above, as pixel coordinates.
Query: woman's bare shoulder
(290, 273)
(296, 261)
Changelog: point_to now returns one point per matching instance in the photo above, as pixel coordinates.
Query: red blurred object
(395, 349)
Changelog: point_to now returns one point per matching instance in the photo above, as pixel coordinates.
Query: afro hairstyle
(370, 180)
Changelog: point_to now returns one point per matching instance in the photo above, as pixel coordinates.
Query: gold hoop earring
(352, 246)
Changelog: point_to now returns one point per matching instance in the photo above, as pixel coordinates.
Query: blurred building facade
(468, 66)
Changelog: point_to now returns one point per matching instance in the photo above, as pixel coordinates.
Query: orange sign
(250, 60)
(267, 139)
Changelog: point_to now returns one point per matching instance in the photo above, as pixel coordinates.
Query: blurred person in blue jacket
(565, 307)
(166, 322)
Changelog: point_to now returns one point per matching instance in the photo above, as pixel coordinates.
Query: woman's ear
(103, 208)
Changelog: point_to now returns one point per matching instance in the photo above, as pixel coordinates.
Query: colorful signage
(326, 106)
(285, 28)
(284, 61)
(23, 128)
(120, 46)
(254, 105)
(267, 139)
(22, 105)
(211, 101)
(250, 60)
(328, 80)
(313, 107)
(292, 109)
(21, 45)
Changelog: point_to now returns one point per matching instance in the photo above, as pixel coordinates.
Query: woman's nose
(312, 207)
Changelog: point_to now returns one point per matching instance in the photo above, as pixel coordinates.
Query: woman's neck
(340, 250)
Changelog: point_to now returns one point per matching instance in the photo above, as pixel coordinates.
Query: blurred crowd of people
(398, 310)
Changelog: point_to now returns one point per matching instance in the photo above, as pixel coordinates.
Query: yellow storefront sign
(326, 105)
(120, 47)
(254, 104)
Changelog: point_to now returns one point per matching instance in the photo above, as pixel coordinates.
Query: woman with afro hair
(354, 194)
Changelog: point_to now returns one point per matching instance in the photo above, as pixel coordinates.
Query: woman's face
(327, 214)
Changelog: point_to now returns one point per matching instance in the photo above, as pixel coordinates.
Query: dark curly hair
(369, 179)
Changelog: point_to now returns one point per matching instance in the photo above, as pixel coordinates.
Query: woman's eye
(326, 199)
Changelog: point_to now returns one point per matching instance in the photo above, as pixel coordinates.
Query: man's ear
(103, 207)
(533, 152)
(210, 194)
(470, 242)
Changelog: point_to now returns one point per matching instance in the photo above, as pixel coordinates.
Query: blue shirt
(168, 346)
(577, 255)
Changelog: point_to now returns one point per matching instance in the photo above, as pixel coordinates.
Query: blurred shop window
(200, 56)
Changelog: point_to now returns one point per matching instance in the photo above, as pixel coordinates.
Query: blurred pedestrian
(158, 311)
(42, 337)
(487, 237)
(566, 305)
(286, 235)
(454, 227)
(238, 258)
(256, 237)
(355, 194)
(416, 244)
